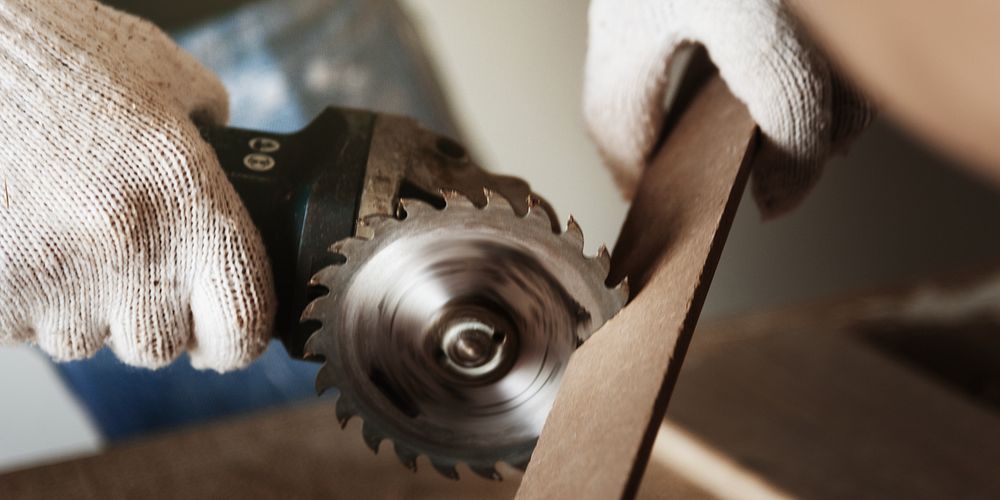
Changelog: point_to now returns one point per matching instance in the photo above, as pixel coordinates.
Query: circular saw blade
(449, 330)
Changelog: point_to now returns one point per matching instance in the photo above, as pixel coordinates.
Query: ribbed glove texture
(117, 225)
(805, 111)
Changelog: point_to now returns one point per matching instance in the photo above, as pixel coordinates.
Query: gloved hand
(804, 110)
(117, 224)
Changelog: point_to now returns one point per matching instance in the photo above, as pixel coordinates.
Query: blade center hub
(472, 348)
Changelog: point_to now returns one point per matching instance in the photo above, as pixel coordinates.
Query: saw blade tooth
(603, 259)
(346, 409)
(538, 215)
(445, 468)
(324, 379)
(486, 472)
(339, 246)
(573, 233)
(519, 464)
(324, 276)
(407, 456)
(363, 229)
(414, 207)
(309, 313)
(373, 437)
(496, 201)
(368, 227)
(623, 290)
(534, 204)
(314, 345)
(454, 199)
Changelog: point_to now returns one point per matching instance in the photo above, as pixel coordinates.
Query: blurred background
(887, 213)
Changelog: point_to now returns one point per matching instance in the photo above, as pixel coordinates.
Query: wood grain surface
(597, 440)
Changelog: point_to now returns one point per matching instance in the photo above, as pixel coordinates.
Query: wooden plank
(804, 399)
(597, 439)
(293, 453)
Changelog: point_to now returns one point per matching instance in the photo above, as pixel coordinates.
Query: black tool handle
(302, 191)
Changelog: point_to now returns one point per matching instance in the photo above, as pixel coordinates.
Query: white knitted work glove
(805, 111)
(117, 225)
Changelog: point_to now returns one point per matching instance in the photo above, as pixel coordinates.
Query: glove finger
(195, 89)
(780, 181)
(59, 319)
(13, 328)
(68, 333)
(786, 85)
(151, 326)
(625, 79)
(233, 299)
(204, 97)
(853, 112)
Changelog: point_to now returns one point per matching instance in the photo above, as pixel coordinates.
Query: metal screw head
(258, 162)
